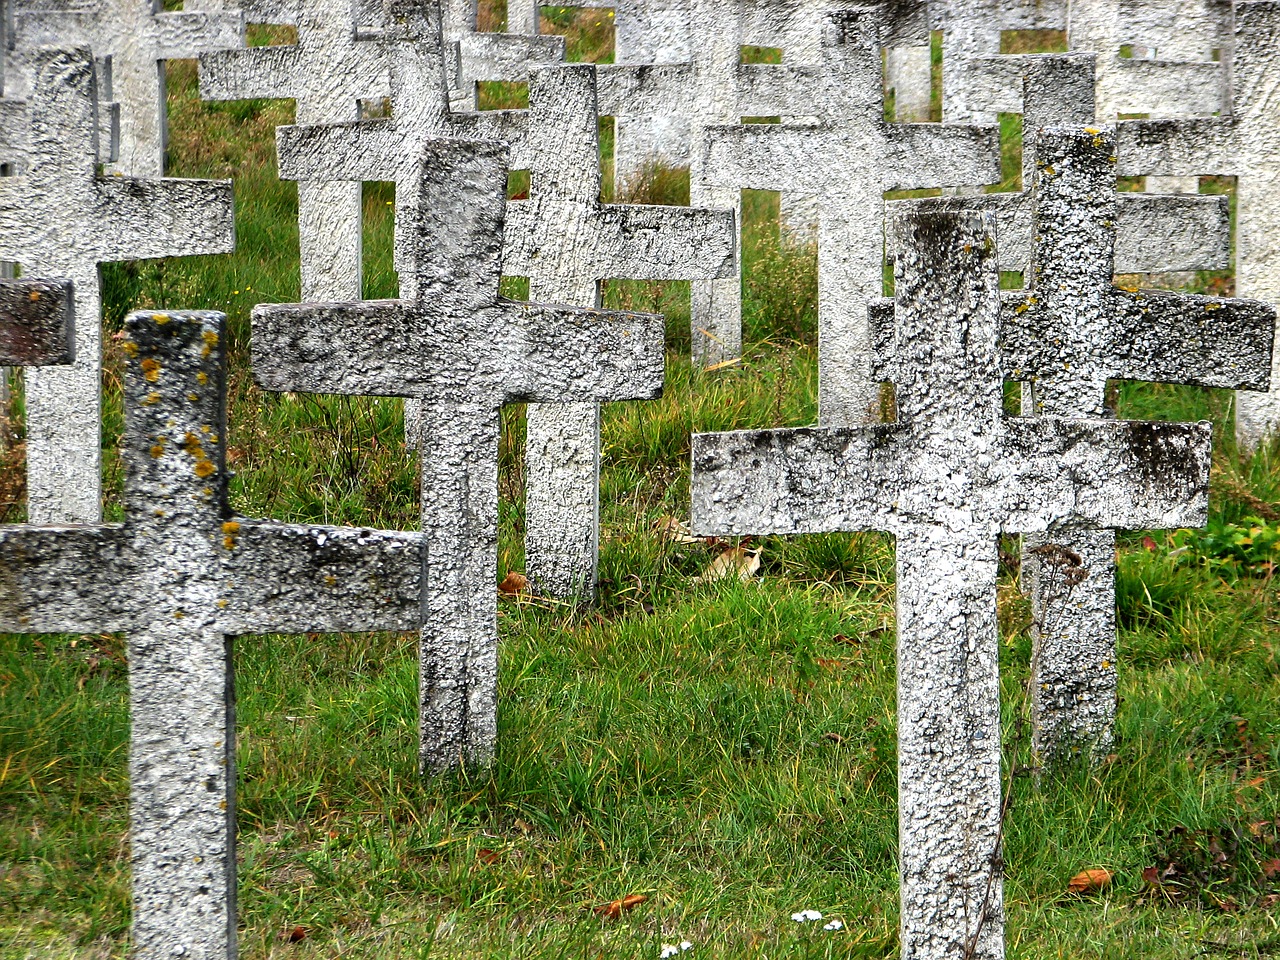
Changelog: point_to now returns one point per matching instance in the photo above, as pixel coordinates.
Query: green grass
(726, 750)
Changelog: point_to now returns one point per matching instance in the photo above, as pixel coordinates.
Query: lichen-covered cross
(946, 479)
(848, 161)
(181, 576)
(463, 351)
(61, 219)
(1243, 142)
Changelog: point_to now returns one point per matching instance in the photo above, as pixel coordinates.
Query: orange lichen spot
(178, 614)
(151, 398)
(229, 531)
(205, 468)
(158, 513)
(157, 448)
(202, 378)
(330, 580)
(191, 445)
(151, 369)
(210, 341)
(35, 295)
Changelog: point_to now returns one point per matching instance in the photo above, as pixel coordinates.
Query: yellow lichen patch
(229, 531)
(151, 369)
(202, 378)
(193, 397)
(160, 318)
(178, 614)
(130, 348)
(205, 428)
(222, 604)
(191, 445)
(157, 448)
(205, 468)
(1212, 305)
(210, 341)
(1092, 131)
(158, 513)
(151, 398)
(35, 295)
(330, 580)
(1048, 171)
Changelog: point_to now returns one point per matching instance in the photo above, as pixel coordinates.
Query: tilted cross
(138, 38)
(463, 351)
(181, 576)
(946, 479)
(565, 240)
(61, 219)
(37, 323)
(848, 162)
(1243, 143)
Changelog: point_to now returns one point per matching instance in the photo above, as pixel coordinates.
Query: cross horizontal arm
(37, 322)
(932, 154)
(1168, 87)
(356, 151)
(808, 158)
(506, 56)
(296, 578)
(624, 89)
(182, 35)
(250, 74)
(631, 241)
(65, 580)
(165, 218)
(1206, 145)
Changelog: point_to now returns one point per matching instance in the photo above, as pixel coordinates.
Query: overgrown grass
(725, 749)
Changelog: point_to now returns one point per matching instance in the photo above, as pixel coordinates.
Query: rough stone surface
(37, 323)
(181, 576)
(1242, 144)
(946, 479)
(491, 56)
(566, 241)
(464, 351)
(60, 219)
(138, 38)
(848, 162)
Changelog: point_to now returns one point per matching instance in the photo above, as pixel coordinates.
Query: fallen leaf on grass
(1150, 544)
(735, 562)
(487, 857)
(296, 935)
(514, 584)
(833, 737)
(669, 528)
(1271, 868)
(1151, 875)
(1090, 881)
(614, 909)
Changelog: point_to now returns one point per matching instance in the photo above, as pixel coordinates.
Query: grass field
(724, 749)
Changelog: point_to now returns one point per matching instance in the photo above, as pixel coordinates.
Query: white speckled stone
(848, 161)
(463, 351)
(946, 479)
(60, 219)
(181, 576)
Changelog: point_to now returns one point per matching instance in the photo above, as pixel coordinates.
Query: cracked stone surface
(1242, 143)
(37, 323)
(848, 161)
(463, 351)
(61, 219)
(946, 479)
(181, 576)
(565, 240)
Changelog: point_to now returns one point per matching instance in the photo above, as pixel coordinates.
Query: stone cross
(566, 241)
(61, 219)
(138, 38)
(491, 56)
(182, 576)
(463, 351)
(1064, 337)
(946, 479)
(1243, 143)
(848, 161)
(37, 323)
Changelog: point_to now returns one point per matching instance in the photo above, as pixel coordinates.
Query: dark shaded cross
(947, 479)
(464, 352)
(182, 576)
(37, 323)
(1243, 143)
(60, 218)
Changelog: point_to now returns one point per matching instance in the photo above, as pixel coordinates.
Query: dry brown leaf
(615, 908)
(1151, 875)
(296, 935)
(487, 857)
(735, 562)
(1271, 868)
(833, 737)
(514, 584)
(669, 528)
(523, 827)
(1089, 881)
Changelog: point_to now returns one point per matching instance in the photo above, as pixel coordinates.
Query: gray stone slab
(848, 161)
(462, 350)
(949, 476)
(1240, 143)
(565, 240)
(37, 323)
(180, 577)
(61, 219)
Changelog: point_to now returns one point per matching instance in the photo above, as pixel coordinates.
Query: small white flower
(834, 925)
(804, 916)
(668, 950)
(685, 945)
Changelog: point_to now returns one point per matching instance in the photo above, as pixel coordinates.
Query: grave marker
(946, 479)
(1243, 143)
(463, 351)
(37, 323)
(181, 576)
(60, 219)
(848, 162)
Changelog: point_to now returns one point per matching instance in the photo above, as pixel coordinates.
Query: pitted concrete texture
(181, 576)
(946, 479)
(1241, 143)
(60, 219)
(138, 38)
(909, 73)
(477, 55)
(566, 241)
(849, 161)
(463, 351)
(37, 323)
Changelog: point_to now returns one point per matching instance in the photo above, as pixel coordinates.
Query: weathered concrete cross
(37, 323)
(181, 576)
(566, 241)
(848, 161)
(946, 479)
(138, 37)
(1243, 143)
(61, 219)
(463, 351)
